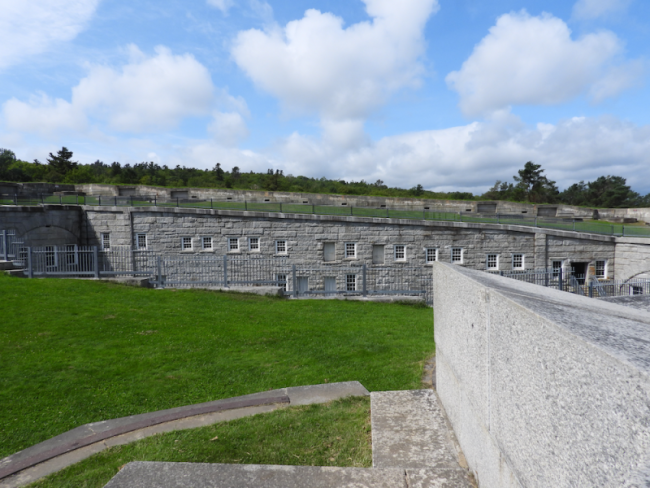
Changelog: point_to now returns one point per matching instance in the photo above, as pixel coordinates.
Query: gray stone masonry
(43, 225)
(305, 236)
(632, 258)
(543, 388)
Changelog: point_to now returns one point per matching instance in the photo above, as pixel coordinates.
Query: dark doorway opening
(579, 271)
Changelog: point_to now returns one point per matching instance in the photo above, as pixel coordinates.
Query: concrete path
(73, 446)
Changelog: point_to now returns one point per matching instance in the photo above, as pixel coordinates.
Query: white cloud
(35, 26)
(316, 65)
(534, 60)
(147, 93)
(473, 157)
(228, 128)
(591, 9)
(223, 5)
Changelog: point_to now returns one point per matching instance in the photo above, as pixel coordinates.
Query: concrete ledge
(77, 444)
(271, 291)
(130, 281)
(542, 387)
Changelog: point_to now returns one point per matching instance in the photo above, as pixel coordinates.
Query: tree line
(529, 185)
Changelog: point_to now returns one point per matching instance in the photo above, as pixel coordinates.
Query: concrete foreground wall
(543, 388)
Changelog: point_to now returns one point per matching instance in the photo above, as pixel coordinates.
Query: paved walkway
(413, 446)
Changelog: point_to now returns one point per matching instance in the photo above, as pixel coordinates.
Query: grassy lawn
(74, 351)
(334, 434)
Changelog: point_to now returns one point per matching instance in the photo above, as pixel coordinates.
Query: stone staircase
(412, 445)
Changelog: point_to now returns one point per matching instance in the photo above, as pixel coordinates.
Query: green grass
(75, 351)
(334, 434)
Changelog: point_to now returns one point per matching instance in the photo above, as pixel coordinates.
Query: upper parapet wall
(456, 206)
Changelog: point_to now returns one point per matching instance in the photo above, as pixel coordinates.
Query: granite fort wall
(632, 258)
(542, 388)
(43, 225)
(306, 237)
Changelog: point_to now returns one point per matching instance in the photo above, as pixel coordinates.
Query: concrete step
(6, 265)
(196, 475)
(410, 431)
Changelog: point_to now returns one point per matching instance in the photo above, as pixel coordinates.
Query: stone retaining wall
(543, 388)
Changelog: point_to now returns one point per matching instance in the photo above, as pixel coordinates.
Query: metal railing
(10, 245)
(592, 287)
(187, 271)
(441, 215)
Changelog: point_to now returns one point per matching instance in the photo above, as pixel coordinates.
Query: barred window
(400, 253)
(492, 261)
(233, 244)
(141, 241)
(206, 242)
(186, 243)
(350, 250)
(636, 290)
(517, 261)
(106, 241)
(431, 255)
(282, 281)
(456, 254)
(281, 247)
(253, 243)
(50, 256)
(351, 282)
(600, 269)
(556, 267)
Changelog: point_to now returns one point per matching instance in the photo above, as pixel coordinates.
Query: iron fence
(439, 214)
(591, 286)
(10, 245)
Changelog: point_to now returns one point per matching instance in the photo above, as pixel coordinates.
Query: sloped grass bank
(75, 351)
(334, 434)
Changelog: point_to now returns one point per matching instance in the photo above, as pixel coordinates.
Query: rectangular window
(50, 256)
(400, 252)
(600, 269)
(431, 255)
(106, 241)
(281, 247)
(556, 267)
(517, 261)
(378, 254)
(351, 282)
(350, 250)
(330, 284)
(186, 243)
(636, 290)
(302, 284)
(206, 242)
(141, 241)
(282, 281)
(329, 252)
(233, 244)
(492, 261)
(71, 255)
(254, 244)
(22, 255)
(456, 254)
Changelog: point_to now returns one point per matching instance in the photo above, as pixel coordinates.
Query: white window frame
(235, 241)
(634, 289)
(399, 252)
(208, 239)
(604, 275)
(556, 274)
(523, 260)
(71, 251)
(281, 247)
(487, 262)
(351, 279)
(185, 240)
(462, 253)
(105, 241)
(350, 250)
(282, 277)
(427, 252)
(254, 247)
(138, 246)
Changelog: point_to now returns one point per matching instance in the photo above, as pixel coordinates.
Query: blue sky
(450, 94)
